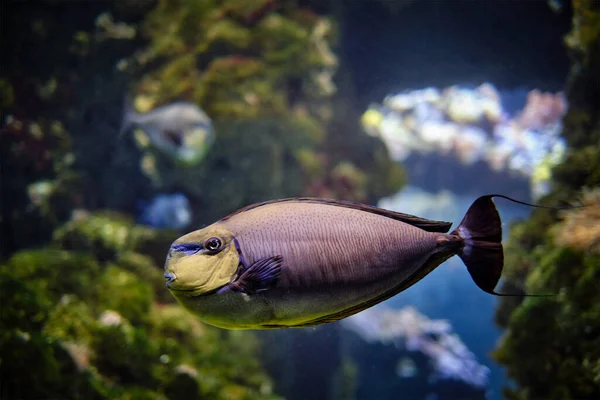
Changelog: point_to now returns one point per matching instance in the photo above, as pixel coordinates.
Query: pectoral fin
(259, 276)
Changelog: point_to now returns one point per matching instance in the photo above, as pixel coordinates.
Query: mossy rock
(133, 392)
(124, 292)
(71, 321)
(23, 308)
(184, 383)
(35, 366)
(213, 357)
(235, 59)
(53, 273)
(145, 269)
(104, 234)
(555, 339)
(126, 354)
(185, 337)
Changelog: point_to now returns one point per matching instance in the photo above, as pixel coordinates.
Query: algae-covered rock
(559, 334)
(125, 353)
(92, 323)
(184, 383)
(222, 364)
(71, 321)
(126, 293)
(53, 272)
(34, 361)
(235, 59)
(107, 235)
(111, 236)
(550, 347)
(88, 315)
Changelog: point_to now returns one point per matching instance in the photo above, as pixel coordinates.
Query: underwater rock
(104, 234)
(110, 236)
(555, 339)
(81, 327)
(235, 62)
(54, 272)
(122, 290)
(473, 126)
(542, 110)
(71, 321)
(38, 181)
(184, 383)
(580, 227)
(107, 28)
(406, 330)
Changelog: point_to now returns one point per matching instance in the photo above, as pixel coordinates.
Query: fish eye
(212, 244)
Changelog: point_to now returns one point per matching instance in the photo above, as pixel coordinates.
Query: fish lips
(170, 277)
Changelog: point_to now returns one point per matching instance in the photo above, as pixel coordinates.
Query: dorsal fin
(425, 224)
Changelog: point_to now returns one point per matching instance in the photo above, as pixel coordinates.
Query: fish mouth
(170, 277)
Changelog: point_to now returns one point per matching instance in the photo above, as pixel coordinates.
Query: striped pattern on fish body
(328, 247)
(302, 262)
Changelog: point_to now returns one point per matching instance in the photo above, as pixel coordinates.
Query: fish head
(201, 262)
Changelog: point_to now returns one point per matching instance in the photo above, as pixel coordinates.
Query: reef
(478, 128)
(415, 355)
(377, 353)
(86, 155)
(89, 317)
(261, 72)
(555, 339)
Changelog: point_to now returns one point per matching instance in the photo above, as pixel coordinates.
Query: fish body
(180, 129)
(303, 262)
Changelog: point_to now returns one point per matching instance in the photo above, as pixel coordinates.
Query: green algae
(95, 326)
(550, 346)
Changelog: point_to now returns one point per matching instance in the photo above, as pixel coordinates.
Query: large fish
(306, 261)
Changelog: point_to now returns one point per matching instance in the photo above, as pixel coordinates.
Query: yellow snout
(192, 275)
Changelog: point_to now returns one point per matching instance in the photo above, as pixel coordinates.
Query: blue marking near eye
(187, 248)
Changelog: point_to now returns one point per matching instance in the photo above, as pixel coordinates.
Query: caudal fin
(481, 230)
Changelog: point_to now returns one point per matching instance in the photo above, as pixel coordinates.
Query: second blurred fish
(181, 130)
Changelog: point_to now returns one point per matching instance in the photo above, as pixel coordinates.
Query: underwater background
(128, 123)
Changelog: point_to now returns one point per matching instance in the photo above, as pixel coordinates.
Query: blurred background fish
(171, 211)
(181, 130)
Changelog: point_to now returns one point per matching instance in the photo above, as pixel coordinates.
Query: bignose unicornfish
(306, 261)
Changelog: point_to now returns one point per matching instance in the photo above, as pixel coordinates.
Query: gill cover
(201, 271)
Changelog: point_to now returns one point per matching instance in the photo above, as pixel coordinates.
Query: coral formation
(403, 350)
(407, 329)
(580, 228)
(555, 252)
(472, 125)
(254, 67)
(95, 325)
(260, 71)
